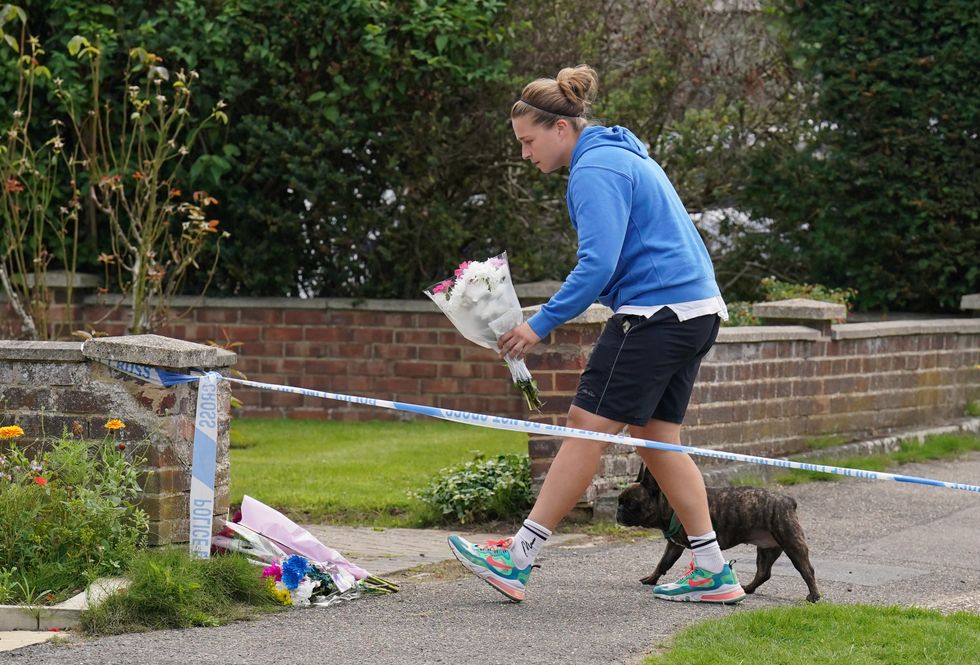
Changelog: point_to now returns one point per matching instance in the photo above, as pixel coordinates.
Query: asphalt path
(876, 542)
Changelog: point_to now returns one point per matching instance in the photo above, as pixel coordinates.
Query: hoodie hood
(616, 137)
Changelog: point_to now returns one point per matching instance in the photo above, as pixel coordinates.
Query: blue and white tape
(205, 439)
(203, 465)
(515, 425)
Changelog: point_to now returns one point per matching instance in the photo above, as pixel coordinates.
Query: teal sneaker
(491, 562)
(701, 586)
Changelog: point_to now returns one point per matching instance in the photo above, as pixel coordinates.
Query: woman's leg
(572, 470)
(506, 564)
(676, 474)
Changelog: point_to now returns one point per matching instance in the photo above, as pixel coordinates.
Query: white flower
(301, 594)
(18, 113)
(183, 151)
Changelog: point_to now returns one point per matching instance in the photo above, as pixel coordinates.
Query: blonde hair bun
(569, 95)
(579, 85)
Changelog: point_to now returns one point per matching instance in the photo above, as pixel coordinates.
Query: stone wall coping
(909, 327)
(743, 334)
(58, 279)
(530, 290)
(595, 313)
(247, 302)
(41, 351)
(800, 309)
(157, 351)
(544, 289)
(599, 314)
(970, 301)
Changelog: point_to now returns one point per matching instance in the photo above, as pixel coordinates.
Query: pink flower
(461, 268)
(442, 286)
(273, 571)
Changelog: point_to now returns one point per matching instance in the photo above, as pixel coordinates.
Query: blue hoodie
(636, 243)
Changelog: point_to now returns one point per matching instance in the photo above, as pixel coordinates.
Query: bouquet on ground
(299, 569)
(481, 302)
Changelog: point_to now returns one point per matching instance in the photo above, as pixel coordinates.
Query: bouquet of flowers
(299, 569)
(481, 302)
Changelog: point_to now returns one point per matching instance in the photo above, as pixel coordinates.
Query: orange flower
(204, 198)
(40, 481)
(114, 424)
(138, 175)
(13, 185)
(175, 193)
(11, 432)
(211, 226)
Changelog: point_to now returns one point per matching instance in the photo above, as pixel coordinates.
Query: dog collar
(673, 528)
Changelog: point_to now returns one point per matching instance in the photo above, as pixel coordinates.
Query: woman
(640, 254)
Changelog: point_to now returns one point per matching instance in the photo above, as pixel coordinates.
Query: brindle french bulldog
(740, 515)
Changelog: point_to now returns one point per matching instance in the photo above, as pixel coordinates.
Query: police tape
(203, 465)
(516, 425)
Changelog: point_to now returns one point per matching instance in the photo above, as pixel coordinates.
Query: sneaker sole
(514, 595)
(720, 597)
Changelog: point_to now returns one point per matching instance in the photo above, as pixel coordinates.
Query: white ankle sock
(707, 554)
(527, 543)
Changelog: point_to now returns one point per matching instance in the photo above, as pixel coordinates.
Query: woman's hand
(515, 343)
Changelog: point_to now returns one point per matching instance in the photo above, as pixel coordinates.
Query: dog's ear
(646, 479)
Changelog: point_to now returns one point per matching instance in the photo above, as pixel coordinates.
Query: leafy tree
(878, 191)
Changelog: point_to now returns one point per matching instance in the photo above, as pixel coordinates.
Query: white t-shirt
(684, 310)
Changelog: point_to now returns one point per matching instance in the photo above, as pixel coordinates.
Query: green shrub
(877, 189)
(740, 314)
(169, 589)
(68, 514)
(777, 290)
(481, 490)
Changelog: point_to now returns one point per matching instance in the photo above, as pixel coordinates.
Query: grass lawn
(936, 447)
(827, 634)
(355, 473)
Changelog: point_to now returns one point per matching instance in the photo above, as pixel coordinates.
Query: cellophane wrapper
(481, 302)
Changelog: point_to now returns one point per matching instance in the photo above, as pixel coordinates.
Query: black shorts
(644, 367)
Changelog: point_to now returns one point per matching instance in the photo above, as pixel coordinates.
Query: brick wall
(767, 390)
(404, 350)
(775, 390)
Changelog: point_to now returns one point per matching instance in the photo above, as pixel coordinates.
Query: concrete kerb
(62, 616)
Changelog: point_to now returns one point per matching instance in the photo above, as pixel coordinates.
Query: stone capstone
(157, 351)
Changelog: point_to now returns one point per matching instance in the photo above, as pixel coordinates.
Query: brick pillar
(46, 386)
